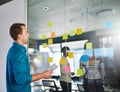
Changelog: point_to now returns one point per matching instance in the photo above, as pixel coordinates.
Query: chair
(51, 86)
(80, 87)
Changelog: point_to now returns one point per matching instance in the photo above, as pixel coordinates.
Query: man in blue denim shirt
(18, 77)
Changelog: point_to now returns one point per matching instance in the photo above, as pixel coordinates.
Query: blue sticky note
(109, 24)
(84, 58)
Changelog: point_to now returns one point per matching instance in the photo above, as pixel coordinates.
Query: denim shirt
(18, 76)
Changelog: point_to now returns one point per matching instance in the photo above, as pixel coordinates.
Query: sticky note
(49, 24)
(89, 45)
(39, 57)
(79, 31)
(65, 36)
(70, 54)
(67, 69)
(50, 59)
(44, 45)
(79, 72)
(109, 24)
(50, 41)
(72, 32)
(43, 36)
(63, 60)
(84, 58)
(53, 34)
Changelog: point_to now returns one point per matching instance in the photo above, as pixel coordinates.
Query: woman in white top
(65, 78)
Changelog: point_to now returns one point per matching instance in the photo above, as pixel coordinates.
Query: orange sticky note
(53, 34)
(67, 69)
(65, 36)
(49, 24)
(89, 45)
(50, 59)
(39, 57)
(44, 45)
(79, 72)
(62, 60)
(79, 31)
(43, 36)
(50, 41)
(72, 32)
(70, 54)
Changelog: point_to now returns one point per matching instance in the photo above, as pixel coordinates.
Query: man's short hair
(16, 29)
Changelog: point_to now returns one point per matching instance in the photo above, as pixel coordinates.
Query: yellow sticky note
(70, 54)
(49, 24)
(43, 36)
(62, 60)
(89, 45)
(79, 72)
(39, 57)
(72, 32)
(44, 45)
(53, 34)
(50, 59)
(79, 31)
(65, 36)
(50, 41)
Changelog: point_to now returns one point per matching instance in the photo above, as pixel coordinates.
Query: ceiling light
(45, 8)
(105, 12)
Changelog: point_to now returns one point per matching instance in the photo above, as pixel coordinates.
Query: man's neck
(19, 42)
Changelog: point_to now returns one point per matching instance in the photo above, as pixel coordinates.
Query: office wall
(13, 11)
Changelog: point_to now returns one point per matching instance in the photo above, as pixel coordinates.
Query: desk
(39, 85)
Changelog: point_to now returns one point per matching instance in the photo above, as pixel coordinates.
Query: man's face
(24, 35)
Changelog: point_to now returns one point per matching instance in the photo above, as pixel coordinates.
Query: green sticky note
(49, 24)
(65, 36)
(39, 57)
(89, 45)
(79, 72)
(72, 32)
(43, 36)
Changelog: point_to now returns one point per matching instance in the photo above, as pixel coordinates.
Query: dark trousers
(66, 87)
(94, 85)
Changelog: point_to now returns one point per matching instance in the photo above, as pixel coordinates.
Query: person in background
(18, 77)
(65, 78)
(94, 73)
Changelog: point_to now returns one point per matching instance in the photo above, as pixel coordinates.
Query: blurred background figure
(65, 78)
(94, 72)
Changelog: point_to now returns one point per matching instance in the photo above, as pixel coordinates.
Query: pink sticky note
(67, 69)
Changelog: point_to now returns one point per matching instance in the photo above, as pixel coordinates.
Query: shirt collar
(19, 46)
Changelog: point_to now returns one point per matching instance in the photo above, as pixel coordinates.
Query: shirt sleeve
(21, 69)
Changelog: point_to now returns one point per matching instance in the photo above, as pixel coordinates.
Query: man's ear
(19, 36)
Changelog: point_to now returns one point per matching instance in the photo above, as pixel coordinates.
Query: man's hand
(48, 74)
